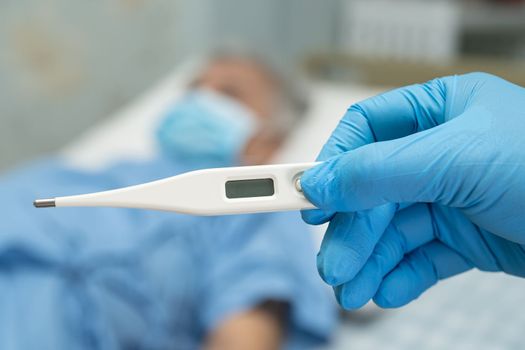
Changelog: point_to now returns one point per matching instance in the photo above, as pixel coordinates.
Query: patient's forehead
(244, 80)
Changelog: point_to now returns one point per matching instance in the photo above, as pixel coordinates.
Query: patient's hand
(262, 328)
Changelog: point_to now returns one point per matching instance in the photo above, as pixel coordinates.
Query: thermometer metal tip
(44, 203)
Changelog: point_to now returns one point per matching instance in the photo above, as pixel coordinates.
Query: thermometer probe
(218, 191)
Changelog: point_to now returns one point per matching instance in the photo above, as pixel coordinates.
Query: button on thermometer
(219, 191)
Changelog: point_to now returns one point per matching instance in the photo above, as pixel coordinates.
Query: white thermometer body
(218, 191)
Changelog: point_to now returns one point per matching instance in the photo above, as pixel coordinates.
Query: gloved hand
(419, 184)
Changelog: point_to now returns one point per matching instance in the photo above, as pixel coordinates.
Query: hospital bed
(472, 311)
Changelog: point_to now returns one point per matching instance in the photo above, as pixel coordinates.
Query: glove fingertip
(382, 302)
(327, 273)
(344, 298)
(327, 278)
(315, 216)
(386, 300)
(349, 300)
(396, 290)
(334, 271)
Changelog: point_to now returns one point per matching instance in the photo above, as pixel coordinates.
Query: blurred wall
(66, 64)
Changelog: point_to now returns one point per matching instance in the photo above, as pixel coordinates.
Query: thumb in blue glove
(422, 183)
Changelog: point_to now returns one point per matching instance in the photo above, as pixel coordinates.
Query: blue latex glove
(426, 182)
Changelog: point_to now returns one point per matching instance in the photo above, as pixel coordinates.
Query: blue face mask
(207, 128)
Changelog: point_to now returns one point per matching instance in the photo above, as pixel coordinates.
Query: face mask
(206, 127)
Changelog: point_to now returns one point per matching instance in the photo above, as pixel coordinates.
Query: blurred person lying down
(102, 278)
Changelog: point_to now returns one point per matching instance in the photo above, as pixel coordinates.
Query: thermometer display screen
(250, 188)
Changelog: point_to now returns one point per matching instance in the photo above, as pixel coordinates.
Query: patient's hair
(292, 94)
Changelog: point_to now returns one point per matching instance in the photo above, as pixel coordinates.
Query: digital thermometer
(219, 191)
